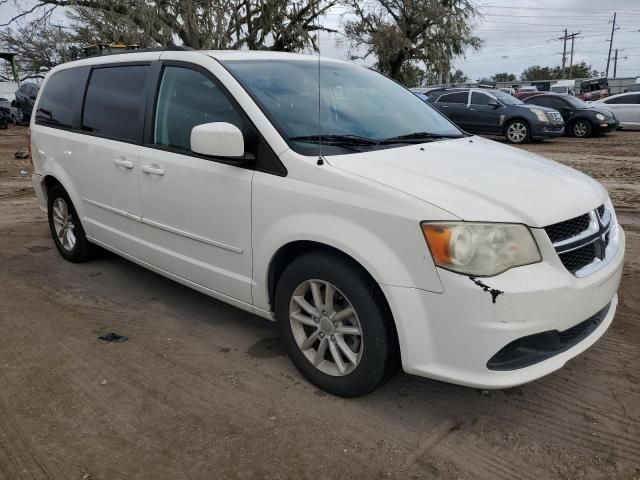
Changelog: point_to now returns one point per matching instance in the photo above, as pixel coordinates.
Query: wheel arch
(50, 179)
(294, 249)
(513, 119)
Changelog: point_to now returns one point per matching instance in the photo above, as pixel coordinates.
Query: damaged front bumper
(454, 335)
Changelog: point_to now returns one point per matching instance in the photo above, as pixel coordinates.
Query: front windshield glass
(359, 108)
(506, 99)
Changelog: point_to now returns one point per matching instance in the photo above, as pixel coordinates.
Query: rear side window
(188, 98)
(457, 97)
(61, 100)
(115, 102)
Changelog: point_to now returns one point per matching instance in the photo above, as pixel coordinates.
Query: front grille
(582, 240)
(567, 229)
(578, 258)
(555, 116)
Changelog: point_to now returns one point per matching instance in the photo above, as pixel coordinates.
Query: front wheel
(334, 326)
(517, 131)
(581, 128)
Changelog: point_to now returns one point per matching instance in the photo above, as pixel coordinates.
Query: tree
(504, 77)
(399, 32)
(204, 24)
(536, 72)
(458, 77)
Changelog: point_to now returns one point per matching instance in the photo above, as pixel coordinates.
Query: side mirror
(494, 104)
(218, 139)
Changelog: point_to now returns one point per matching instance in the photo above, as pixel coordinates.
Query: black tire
(82, 250)
(520, 125)
(581, 128)
(378, 360)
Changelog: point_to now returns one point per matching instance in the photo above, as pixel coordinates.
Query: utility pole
(573, 36)
(564, 51)
(613, 29)
(615, 64)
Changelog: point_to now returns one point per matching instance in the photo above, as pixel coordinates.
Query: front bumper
(547, 130)
(607, 126)
(451, 336)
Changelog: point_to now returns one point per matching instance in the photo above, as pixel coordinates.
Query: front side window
(506, 99)
(188, 98)
(624, 99)
(115, 102)
(336, 101)
(478, 98)
(61, 99)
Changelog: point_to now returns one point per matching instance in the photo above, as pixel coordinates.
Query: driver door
(196, 212)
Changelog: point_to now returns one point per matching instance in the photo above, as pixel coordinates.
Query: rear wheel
(517, 131)
(334, 326)
(65, 226)
(581, 128)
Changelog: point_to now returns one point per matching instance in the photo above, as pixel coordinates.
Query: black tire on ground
(379, 346)
(82, 250)
(517, 131)
(581, 128)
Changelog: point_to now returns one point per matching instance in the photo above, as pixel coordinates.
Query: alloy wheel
(326, 327)
(517, 132)
(580, 129)
(63, 224)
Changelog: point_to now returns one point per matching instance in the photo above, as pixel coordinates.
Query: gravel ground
(201, 390)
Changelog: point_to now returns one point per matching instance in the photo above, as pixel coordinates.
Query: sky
(518, 34)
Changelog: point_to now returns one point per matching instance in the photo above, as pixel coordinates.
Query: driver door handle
(121, 162)
(152, 170)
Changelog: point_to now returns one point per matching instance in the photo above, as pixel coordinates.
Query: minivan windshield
(355, 108)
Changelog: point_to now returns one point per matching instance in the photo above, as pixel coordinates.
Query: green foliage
(397, 33)
(504, 77)
(536, 72)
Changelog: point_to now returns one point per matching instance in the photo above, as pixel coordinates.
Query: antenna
(315, 13)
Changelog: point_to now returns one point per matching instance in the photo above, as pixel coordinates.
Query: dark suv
(25, 98)
(493, 112)
(582, 119)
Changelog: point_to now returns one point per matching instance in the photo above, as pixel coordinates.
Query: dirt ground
(202, 390)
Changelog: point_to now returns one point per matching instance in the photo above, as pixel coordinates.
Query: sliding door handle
(152, 170)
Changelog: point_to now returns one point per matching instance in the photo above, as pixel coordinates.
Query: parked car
(493, 112)
(582, 119)
(25, 98)
(5, 116)
(564, 86)
(7, 104)
(367, 225)
(526, 91)
(625, 106)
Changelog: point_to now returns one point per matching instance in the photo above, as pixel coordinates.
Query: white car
(369, 227)
(626, 108)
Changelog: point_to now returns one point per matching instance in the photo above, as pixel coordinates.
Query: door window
(115, 102)
(479, 98)
(188, 98)
(456, 97)
(624, 99)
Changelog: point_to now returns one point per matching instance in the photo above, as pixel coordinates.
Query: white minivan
(326, 197)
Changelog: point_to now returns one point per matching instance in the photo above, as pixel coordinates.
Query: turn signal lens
(482, 249)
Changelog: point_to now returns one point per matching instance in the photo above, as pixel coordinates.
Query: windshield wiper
(335, 139)
(417, 137)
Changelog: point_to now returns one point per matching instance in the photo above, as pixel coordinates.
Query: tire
(372, 356)
(65, 226)
(581, 128)
(517, 132)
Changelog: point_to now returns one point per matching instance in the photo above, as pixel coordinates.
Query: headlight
(540, 114)
(482, 249)
(600, 116)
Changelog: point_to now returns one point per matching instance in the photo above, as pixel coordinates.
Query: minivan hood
(477, 179)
